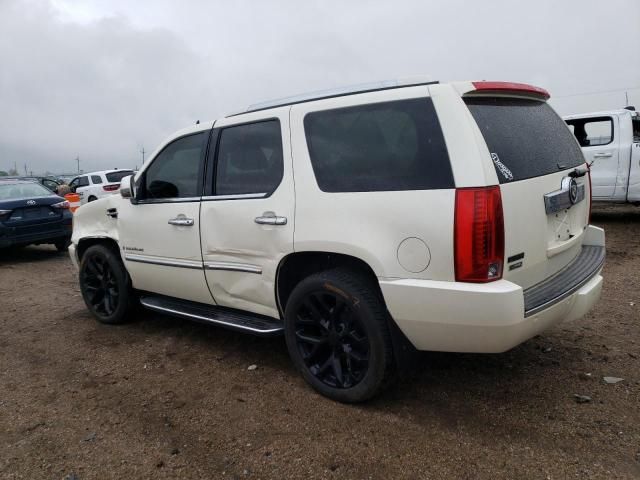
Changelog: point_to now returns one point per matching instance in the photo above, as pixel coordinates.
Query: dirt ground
(165, 398)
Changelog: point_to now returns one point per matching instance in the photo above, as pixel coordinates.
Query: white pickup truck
(610, 142)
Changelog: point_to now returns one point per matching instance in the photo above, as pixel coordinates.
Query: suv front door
(247, 212)
(160, 229)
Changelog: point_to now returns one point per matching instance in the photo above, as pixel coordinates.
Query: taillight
(478, 234)
(590, 193)
(5, 212)
(111, 188)
(62, 205)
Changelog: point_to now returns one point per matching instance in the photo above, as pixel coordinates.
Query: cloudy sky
(103, 78)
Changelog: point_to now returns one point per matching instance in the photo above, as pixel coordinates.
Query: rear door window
(526, 138)
(378, 147)
(250, 159)
(96, 179)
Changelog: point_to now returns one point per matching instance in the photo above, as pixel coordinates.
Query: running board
(232, 319)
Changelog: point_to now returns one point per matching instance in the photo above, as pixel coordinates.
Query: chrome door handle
(602, 155)
(181, 221)
(271, 220)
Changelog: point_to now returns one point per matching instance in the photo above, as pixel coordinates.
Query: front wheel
(105, 285)
(337, 334)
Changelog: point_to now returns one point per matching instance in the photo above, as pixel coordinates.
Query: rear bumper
(490, 318)
(49, 234)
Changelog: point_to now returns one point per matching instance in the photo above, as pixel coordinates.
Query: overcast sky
(103, 78)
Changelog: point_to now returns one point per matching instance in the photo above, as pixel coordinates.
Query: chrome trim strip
(206, 319)
(235, 197)
(560, 199)
(566, 294)
(168, 200)
(233, 267)
(167, 262)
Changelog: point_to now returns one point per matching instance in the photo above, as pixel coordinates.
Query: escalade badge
(31, 202)
(573, 191)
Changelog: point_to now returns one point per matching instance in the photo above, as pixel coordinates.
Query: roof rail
(337, 92)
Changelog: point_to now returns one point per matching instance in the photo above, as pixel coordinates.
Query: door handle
(271, 220)
(602, 155)
(181, 221)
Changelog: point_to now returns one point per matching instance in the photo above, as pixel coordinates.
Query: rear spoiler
(508, 87)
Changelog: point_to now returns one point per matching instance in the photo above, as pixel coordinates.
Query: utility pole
(626, 96)
(25, 170)
(142, 152)
(78, 162)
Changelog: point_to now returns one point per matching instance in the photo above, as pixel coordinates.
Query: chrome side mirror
(127, 187)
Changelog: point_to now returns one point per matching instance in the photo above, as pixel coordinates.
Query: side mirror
(127, 187)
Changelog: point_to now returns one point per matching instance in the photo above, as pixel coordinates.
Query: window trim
(212, 164)
(201, 173)
(585, 120)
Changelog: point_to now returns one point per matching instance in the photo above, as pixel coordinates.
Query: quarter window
(250, 159)
(96, 179)
(177, 171)
(378, 147)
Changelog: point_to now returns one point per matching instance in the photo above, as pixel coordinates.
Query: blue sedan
(31, 214)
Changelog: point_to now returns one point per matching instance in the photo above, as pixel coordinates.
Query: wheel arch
(298, 265)
(86, 242)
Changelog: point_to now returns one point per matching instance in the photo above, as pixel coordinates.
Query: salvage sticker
(502, 167)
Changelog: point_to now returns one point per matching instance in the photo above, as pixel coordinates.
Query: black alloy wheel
(337, 333)
(105, 285)
(331, 339)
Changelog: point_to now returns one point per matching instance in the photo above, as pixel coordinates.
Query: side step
(225, 317)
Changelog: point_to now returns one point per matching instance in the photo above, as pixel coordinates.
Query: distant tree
(13, 172)
(3, 173)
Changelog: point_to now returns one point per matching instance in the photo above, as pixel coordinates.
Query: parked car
(50, 183)
(610, 142)
(32, 214)
(94, 185)
(451, 217)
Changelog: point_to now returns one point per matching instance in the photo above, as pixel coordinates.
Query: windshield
(119, 175)
(526, 138)
(18, 191)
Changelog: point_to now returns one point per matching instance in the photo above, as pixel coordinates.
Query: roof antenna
(197, 122)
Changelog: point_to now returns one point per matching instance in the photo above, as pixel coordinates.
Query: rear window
(526, 138)
(378, 147)
(19, 191)
(119, 175)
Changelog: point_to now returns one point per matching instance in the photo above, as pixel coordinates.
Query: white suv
(451, 217)
(94, 185)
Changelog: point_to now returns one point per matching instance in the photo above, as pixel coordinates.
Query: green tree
(3, 173)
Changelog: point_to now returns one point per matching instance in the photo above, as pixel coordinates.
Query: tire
(63, 245)
(105, 285)
(91, 199)
(337, 334)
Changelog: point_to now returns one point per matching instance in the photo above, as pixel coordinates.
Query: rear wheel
(105, 285)
(338, 336)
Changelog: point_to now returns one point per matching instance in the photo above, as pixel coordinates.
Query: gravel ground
(164, 398)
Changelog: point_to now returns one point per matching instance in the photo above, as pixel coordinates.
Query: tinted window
(83, 181)
(50, 184)
(117, 176)
(96, 179)
(249, 159)
(592, 132)
(177, 170)
(526, 138)
(18, 191)
(385, 146)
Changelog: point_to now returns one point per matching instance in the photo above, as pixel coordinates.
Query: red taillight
(511, 87)
(590, 193)
(479, 234)
(111, 188)
(63, 205)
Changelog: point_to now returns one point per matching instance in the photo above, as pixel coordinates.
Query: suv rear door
(533, 154)
(247, 213)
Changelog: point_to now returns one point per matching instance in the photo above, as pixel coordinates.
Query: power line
(598, 92)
